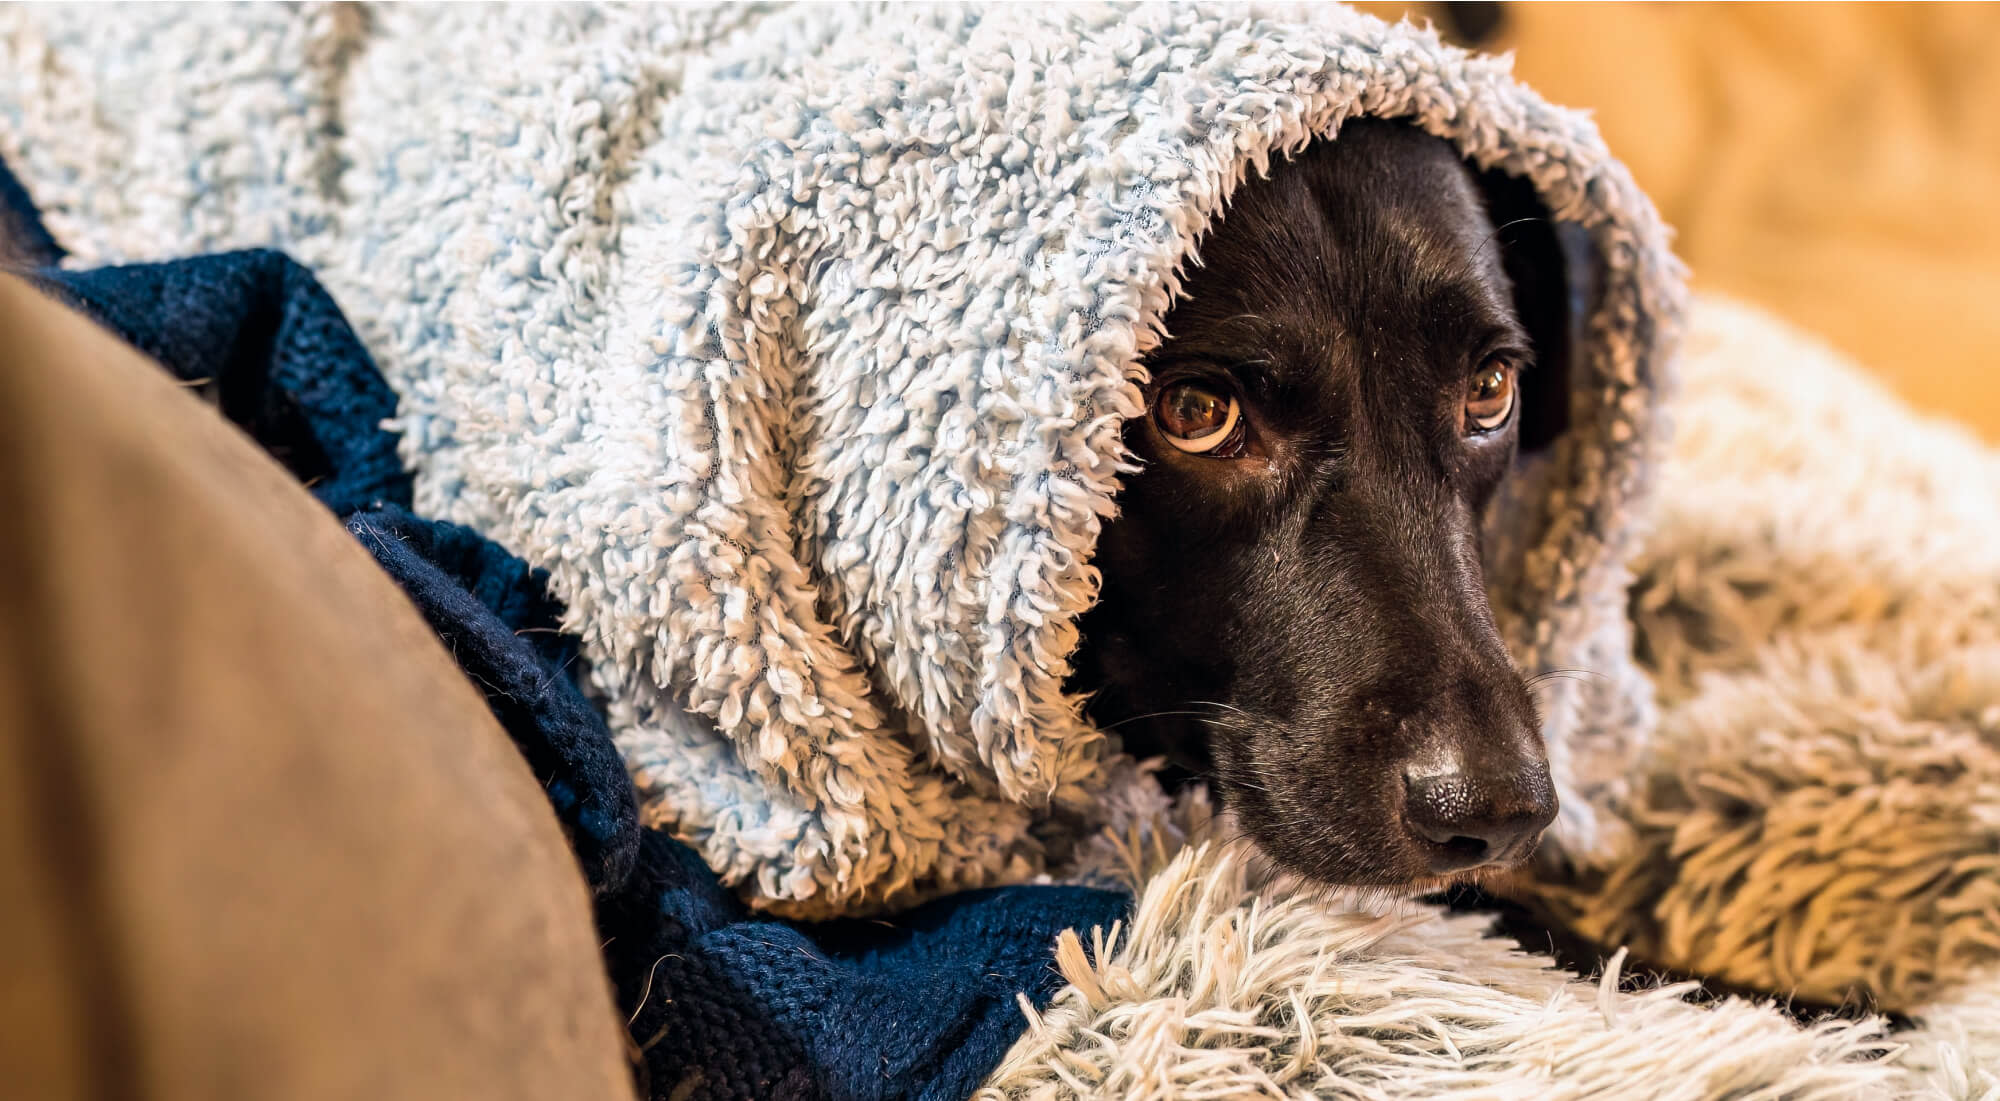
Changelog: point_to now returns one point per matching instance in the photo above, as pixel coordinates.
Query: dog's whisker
(1567, 674)
(1494, 237)
(1221, 706)
(1150, 715)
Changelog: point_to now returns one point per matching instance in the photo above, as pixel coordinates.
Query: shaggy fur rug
(1819, 813)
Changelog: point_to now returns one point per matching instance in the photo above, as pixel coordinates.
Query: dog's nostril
(1470, 823)
(1470, 849)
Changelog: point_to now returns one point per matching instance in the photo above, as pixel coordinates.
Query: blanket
(794, 344)
(719, 1003)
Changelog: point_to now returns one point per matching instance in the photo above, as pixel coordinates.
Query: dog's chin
(1401, 877)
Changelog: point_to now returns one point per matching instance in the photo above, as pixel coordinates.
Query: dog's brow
(1250, 326)
(1229, 340)
(1240, 344)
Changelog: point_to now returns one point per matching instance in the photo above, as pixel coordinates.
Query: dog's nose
(1472, 820)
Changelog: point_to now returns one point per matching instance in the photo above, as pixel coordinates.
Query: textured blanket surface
(1819, 814)
(794, 344)
(719, 1003)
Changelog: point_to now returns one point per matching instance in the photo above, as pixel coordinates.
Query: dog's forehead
(1369, 257)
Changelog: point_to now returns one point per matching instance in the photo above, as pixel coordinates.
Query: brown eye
(1195, 419)
(1489, 395)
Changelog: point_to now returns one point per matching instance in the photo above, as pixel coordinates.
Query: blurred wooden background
(1836, 163)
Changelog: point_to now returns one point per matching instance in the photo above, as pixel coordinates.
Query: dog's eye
(1489, 396)
(1197, 420)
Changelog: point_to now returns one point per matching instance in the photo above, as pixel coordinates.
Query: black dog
(1293, 601)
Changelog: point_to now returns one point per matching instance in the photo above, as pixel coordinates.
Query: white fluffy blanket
(796, 344)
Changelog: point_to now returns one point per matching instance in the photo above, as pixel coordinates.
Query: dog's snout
(1472, 820)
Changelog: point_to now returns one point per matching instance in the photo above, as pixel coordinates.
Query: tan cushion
(258, 836)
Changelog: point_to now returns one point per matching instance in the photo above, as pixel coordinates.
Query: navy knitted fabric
(258, 332)
(24, 241)
(721, 1003)
(494, 615)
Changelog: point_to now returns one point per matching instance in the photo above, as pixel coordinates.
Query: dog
(1292, 601)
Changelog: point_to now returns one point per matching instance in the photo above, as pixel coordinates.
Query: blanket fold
(720, 1003)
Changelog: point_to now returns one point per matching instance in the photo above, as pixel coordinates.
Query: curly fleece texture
(719, 1002)
(794, 344)
(1818, 814)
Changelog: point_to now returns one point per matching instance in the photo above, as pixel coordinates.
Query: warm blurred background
(1836, 163)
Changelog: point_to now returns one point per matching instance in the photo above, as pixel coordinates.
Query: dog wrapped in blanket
(796, 345)
(808, 388)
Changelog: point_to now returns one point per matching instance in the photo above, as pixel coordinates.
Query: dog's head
(1293, 599)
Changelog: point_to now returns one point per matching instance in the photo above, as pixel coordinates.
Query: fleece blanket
(794, 345)
(719, 1002)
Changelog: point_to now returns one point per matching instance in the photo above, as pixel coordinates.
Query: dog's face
(1293, 599)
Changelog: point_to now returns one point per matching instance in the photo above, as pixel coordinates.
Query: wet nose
(1471, 820)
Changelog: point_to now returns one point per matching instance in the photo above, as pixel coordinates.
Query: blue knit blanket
(920, 1005)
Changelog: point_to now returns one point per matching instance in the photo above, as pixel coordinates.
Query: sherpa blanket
(720, 1002)
(794, 345)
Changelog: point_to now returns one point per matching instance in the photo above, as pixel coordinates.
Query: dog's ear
(1553, 268)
